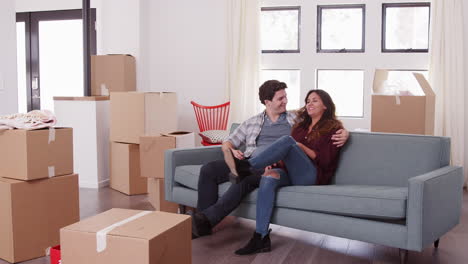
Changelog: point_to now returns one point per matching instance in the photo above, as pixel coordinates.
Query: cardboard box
(156, 197)
(152, 150)
(402, 112)
(141, 237)
(32, 213)
(135, 114)
(36, 154)
(125, 169)
(112, 73)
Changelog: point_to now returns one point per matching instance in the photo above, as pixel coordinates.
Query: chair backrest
(211, 117)
(390, 159)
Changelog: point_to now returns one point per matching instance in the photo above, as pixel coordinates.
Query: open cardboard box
(401, 110)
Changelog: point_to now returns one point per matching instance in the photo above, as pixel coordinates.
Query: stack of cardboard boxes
(38, 190)
(152, 150)
(135, 114)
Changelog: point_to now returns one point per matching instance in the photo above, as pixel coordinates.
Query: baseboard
(94, 185)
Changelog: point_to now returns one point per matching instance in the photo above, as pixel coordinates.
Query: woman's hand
(340, 137)
(309, 152)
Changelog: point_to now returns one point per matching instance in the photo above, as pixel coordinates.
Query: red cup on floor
(55, 255)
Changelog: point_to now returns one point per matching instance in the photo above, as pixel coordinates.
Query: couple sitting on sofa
(282, 148)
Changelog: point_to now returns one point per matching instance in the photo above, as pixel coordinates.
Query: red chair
(211, 118)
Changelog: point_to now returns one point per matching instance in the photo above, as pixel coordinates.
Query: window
(280, 29)
(346, 88)
(405, 27)
(339, 54)
(340, 28)
(292, 79)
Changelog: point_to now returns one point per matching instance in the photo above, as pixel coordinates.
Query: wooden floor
(289, 245)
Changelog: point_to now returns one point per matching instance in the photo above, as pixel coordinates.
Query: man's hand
(238, 154)
(340, 137)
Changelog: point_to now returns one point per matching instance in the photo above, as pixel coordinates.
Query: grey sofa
(390, 189)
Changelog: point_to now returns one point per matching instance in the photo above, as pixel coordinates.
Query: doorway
(50, 56)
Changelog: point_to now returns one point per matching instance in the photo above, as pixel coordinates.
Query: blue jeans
(300, 171)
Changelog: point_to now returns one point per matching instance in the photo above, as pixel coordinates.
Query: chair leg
(182, 209)
(403, 256)
(436, 243)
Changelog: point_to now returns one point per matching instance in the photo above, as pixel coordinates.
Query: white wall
(46, 5)
(8, 79)
(183, 50)
(179, 45)
(465, 24)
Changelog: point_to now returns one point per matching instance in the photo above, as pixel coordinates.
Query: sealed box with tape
(36, 154)
(121, 236)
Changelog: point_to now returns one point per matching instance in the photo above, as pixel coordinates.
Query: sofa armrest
(434, 205)
(186, 156)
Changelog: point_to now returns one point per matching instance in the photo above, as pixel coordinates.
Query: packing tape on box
(51, 170)
(101, 235)
(397, 99)
(51, 134)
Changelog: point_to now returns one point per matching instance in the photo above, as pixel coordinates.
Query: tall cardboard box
(36, 154)
(139, 237)
(112, 73)
(135, 114)
(125, 169)
(156, 196)
(398, 112)
(32, 213)
(152, 150)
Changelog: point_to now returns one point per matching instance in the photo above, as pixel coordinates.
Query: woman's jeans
(300, 171)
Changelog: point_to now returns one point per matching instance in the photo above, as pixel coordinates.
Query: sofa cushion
(380, 202)
(188, 175)
(389, 159)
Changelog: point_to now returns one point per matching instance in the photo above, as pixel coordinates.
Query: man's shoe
(239, 168)
(257, 244)
(200, 225)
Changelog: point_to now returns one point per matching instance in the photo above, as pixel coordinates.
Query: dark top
(327, 153)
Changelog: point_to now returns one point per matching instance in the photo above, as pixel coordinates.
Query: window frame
(384, 25)
(286, 8)
(319, 28)
(363, 89)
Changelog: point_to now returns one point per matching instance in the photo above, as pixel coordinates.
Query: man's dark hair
(269, 88)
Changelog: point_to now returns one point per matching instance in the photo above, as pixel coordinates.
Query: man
(256, 134)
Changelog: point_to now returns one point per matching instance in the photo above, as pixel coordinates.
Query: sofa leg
(403, 256)
(436, 243)
(182, 209)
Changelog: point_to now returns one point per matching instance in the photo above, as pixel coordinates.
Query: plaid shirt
(247, 133)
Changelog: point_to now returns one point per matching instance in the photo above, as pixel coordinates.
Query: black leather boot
(257, 244)
(239, 168)
(200, 225)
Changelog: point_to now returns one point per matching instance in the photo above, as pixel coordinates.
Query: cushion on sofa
(188, 175)
(380, 202)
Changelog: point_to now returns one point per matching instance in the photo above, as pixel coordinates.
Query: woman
(307, 157)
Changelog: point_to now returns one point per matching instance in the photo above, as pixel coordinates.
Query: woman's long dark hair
(327, 123)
